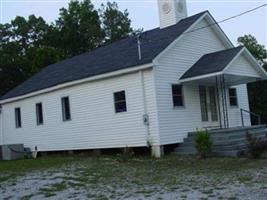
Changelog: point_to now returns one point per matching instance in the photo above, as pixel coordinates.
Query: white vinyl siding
(242, 67)
(94, 123)
(234, 111)
(174, 124)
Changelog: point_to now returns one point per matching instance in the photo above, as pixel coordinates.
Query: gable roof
(212, 63)
(119, 55)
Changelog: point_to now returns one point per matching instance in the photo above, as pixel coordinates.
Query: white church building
(136, 92)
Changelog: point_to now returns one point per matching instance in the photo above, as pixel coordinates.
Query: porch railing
(242, 111)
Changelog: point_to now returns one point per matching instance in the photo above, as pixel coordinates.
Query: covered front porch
(217, 76)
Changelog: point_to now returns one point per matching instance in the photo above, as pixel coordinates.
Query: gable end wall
(175, 123)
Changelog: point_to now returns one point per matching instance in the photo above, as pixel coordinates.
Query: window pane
(121, 107)
(233, 101)
(17, 117)
(177, 101)
(203, 103)
(233, 97)
(177, 95)
(120, 102)
(39, 114)
(213, 104)
(232, 92)
(177, 89)
(66, 108)
(119, 96)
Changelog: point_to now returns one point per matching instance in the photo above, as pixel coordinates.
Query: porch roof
(236, 63)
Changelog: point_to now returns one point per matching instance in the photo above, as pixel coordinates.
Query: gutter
(1, 126)
(81, 81)
(145, 114)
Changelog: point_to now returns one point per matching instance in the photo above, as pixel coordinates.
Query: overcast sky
(144, 13)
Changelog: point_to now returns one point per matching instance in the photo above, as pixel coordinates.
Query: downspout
(145, 115)
(1, 126)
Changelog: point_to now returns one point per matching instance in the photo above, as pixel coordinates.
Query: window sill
(67, 120)
(178, 107)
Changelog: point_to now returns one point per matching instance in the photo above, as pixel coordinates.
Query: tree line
(29, 44)
(257, 91)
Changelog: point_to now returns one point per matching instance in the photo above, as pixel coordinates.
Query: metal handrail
(251, 113)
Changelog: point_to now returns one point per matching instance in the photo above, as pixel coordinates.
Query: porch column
(224, 101)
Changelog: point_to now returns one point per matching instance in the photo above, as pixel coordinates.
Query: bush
(127, 154)
(203, 143)
(256, 145)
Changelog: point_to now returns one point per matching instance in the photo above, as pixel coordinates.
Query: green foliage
(116, 23)
(29, 44)
(258, 90)
(203, 143)
(257, 146)
(79, 28)
(126, 155)
(257, 50)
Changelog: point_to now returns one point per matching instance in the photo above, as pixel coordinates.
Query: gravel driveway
(140, 178)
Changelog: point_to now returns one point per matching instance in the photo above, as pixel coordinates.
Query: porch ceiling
(237, 66)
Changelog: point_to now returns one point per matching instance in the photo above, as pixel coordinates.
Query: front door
(209, 106)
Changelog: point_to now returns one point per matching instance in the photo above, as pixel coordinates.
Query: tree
(22, 50)
(29, 44)
(116, 24)
(257, 50)
(78, 28)
(257, 91)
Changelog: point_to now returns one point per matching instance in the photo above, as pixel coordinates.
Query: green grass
(53, 189)
(27, 165)
(144, 174)
(9, 170)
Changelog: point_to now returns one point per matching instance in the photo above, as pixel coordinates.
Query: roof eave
(78, 82)
(183, 80)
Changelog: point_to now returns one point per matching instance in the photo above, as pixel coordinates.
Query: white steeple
(171, 12)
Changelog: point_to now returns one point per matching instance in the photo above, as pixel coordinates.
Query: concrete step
(226, 142)
(224, 146)
(237, 136)
(230, 142)
(230, 136)
(230, 147)
(185, 150)
(230, 153)
(232, 130)
(185, 153)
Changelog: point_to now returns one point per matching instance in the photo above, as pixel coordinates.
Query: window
(177, 95)
(18, 117)
(39, 114)
(233, 97)
(120, 102)
(65, 102)
(203, 103)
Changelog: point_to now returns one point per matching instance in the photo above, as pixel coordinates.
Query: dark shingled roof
(212, 63)
(116, 56)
